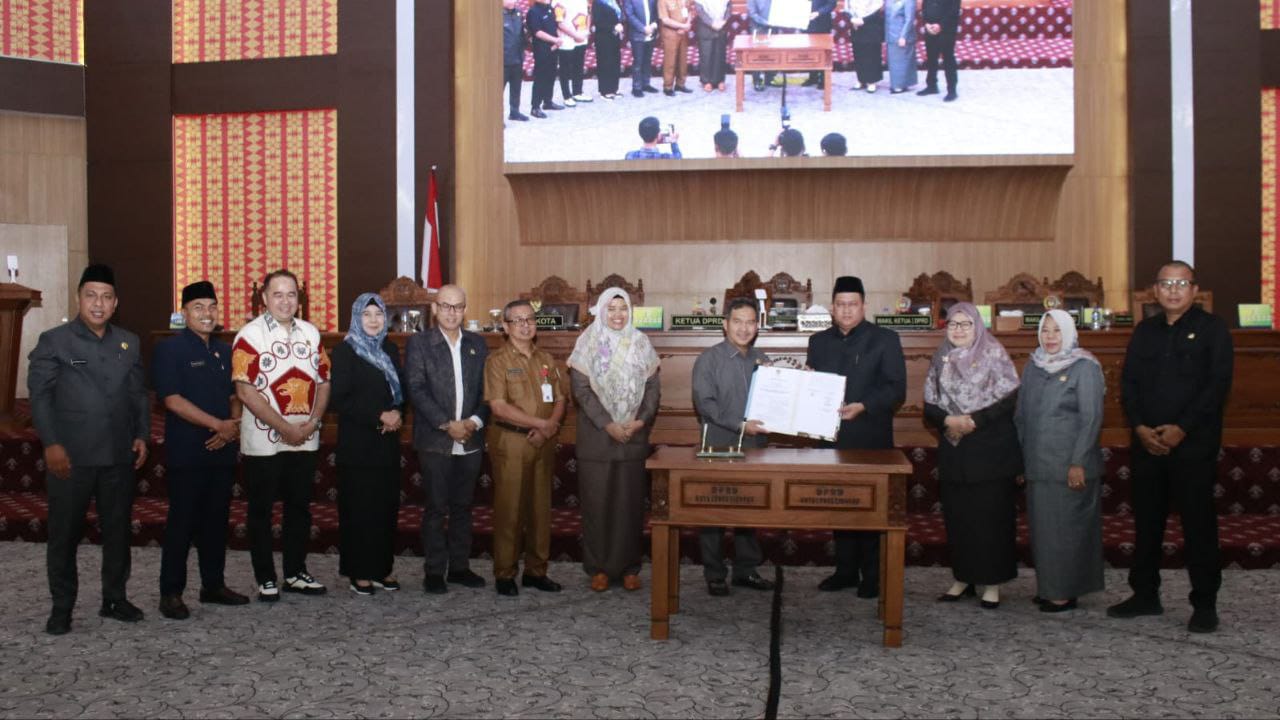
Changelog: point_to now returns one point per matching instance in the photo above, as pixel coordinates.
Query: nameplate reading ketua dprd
(697, 322)
(708, 493)
(802, 495)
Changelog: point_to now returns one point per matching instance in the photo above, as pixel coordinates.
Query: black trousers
(941, 45)
(449, 485)
(289, 477)
(858, 556)
(571, 62)
(608, 62)
(641, 63)
(111, 487)
(199, 503)
(512, 79)
(1159, 481)
(368, 510)
(544, 73)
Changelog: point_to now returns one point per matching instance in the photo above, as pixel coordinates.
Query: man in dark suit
(819, 24)
(941, 23)
(642, 26)
(445, 372)
(89, 404)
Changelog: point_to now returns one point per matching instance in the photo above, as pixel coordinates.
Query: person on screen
(866, 18)
(726, 142)
(613, 372)
(652, 135)
(834, 145)
(721, 381)
(870, 357)
(541, 22)
(606, 16)
(758, 18)
(900, 43)
(675, 20)
(713, 15)
(573, 20)
(513, 57)
(1059, 417)
(790, 143)
(819, 24)
(642, 25)
(970, 393)
(941, 21)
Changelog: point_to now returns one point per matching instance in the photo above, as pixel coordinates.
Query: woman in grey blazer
(900, 43)
(614, 373)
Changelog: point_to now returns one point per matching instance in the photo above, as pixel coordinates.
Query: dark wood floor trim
(36, 86)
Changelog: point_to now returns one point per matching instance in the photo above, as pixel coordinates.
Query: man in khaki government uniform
(525, 390)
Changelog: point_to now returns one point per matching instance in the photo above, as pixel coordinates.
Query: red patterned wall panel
(42, 29)
(1270, 11)
(215, 30)
(1270, 182)
(254, 192)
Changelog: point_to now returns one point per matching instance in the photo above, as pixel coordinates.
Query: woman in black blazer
(367, 396)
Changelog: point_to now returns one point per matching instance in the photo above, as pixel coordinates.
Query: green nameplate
(905, 322)
(1122, 319)
(647, 317)
(550, 322)
(696, 322)
(1253, 315)
(1031, 321)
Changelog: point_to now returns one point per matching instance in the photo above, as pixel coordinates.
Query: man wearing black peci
(870, 358)
(1177, 374)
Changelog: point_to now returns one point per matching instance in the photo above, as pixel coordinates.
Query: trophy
(495, 317)
(415, 321)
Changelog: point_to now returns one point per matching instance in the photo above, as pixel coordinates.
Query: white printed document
(796, 402)
(790, 14)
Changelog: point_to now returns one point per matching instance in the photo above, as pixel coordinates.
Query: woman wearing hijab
(1059, 417)
(900, 43)
(969, 396)
(867, 19)
(710, 32)
(368, 398)
(614, 373)
(606, 16)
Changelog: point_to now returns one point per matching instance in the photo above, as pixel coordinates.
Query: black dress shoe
(836, 581)
(518, 117)
(637, 93)
(434, 585)
(1038, 600)
(540, 582)
(552, 106)
(1052, 607)
(59, 622)
(172, 607)
(466, 578)
(1135, 606)
(989, 604)
(506, 587)
(867, 591)
(928, 90)
(682, 88)
(717, 588)
(1203, 620)
(950, 96)
(669, 93)
(538, 113)
(967, 592)
(649, 89)
(810, 82)
(222, 596)
(753, 581)
(121, 610)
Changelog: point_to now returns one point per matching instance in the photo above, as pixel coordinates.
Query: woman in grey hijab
(969, 396)
(1059, 417)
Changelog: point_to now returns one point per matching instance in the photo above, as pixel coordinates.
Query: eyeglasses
(1169, 284)
(960, 325)
(520, 321)
(446, 307)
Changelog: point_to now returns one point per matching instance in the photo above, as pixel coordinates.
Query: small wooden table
(791, 488)
(785, 53)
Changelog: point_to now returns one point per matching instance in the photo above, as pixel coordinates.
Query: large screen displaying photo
(1002, 85)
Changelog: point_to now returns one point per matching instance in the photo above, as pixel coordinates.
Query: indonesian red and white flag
(432, 275)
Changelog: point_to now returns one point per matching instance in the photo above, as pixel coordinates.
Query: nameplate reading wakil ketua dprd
(808, 495)
(718, 493)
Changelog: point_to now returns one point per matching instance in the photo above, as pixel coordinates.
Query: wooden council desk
(785, 53)
(791, 488)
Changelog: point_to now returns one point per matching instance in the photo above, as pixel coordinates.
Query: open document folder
(796, 402)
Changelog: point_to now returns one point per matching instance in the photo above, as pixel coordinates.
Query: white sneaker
(303, 583)
(569, 102)
(268, 591)
(583, 97)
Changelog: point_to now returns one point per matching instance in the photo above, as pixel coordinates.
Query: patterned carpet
(578, 654)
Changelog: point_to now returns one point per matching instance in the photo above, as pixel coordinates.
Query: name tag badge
(197, 363)
(547, 395)
(78, 363)
(515, 371)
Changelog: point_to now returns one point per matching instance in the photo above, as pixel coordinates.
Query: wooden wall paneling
(1089, 232)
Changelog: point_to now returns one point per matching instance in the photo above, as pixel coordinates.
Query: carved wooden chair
(1023, 292)
(1143, 303)
(558, 296)
(938, 292)
(781, 287)
(403, 297)
(1077, 292)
